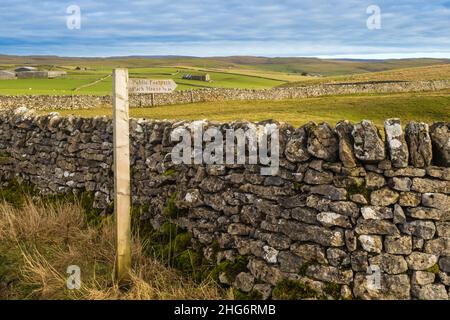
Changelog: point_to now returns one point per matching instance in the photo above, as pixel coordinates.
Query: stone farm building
(200, 77)
(33, 73)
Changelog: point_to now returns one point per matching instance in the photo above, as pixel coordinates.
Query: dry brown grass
(39, 241)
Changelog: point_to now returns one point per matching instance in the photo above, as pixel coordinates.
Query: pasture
(420, 106)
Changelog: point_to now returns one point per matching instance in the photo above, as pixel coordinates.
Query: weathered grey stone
(377, 213)
(295, 150)
(290, 262)
(346, 155)
(239, 229)
(398, 244)
(330, 192)
(372, 244)
(304, 214)
(428, 213)
(374, 180)
(368, 145)
(444, 264)
(309, 252)
(359, 261)
(261, 271)
(439, 172)
(399, 215)
(430, 186)
(443, 229)
(322, 142)
(330, 274)
(440, 138)
(270, 254)
(405, 172)
(439, 246)
(330, 219)
(421, 261)
(346, 208)
(244, 281)
(396, 144)
(409, 199)
(350, 240)
(337, 257)
(359, 199)
(444, 278)
(278, 241)
(316, 177)
(419, 143)
(421, 229)
(383, 197)
(318, 202)
(381, 227)
(422, 278)
(436, 200)
(305, 232)
(417, 244)
(265, 290)
(389, 263)
(430, 292)
(392, 287)
(401, 184)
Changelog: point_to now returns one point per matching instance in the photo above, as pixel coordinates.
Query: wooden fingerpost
(122, 194)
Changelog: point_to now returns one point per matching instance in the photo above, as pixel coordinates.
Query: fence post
(121, 166)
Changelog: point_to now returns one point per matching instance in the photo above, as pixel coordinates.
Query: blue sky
(227, 27)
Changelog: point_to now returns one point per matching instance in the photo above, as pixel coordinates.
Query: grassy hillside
(326, 67)
(226, 72)
(437, 72)
(424, 106)
(71, 83)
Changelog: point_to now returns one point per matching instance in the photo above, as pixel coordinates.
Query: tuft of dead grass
(39, 241)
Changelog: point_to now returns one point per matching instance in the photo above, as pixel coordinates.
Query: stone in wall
(346, 153)
(440, 136)
(368, 145)
(396, 143)
(419, 142)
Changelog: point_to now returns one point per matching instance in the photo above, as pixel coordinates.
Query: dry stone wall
(367, 218)
(216, 94)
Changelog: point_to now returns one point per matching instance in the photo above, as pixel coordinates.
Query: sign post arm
(121, 167)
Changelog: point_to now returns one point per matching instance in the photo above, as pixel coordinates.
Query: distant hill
(310, 66)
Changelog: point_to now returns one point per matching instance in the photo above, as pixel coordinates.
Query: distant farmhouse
(200, 77)
(30, 73)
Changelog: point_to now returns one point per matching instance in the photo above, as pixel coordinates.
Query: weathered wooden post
(122, 193)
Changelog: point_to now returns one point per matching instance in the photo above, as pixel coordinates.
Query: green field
(426, 106)
(69, 84)
(226, 72)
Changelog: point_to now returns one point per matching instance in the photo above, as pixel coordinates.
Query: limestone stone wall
(368, 218)
(216, 94)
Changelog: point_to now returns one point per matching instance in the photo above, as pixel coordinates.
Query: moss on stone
(169, 172)
(304, 267)
(333, 289)
(434, 269)
(230, 268)
(358, 188)
(296, 186)
(252, 295)
(293, 290)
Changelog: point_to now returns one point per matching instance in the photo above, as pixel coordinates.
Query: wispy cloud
(233, 27)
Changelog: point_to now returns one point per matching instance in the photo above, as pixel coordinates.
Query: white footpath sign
(151, 85)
